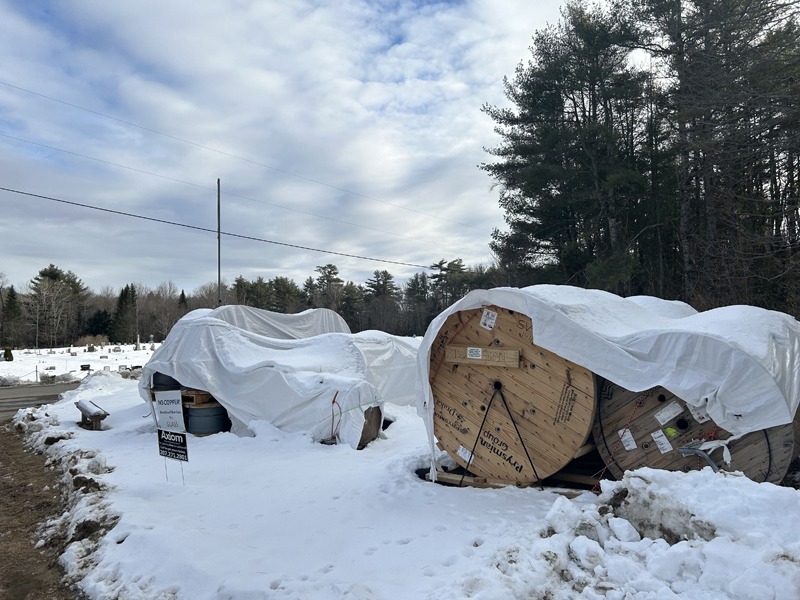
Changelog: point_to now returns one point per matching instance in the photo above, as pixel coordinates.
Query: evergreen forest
(646, 147)
(652, 147)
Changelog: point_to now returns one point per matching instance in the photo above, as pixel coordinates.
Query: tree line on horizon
(650, 147)
(56, 309)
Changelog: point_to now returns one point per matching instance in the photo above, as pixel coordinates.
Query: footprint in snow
(370, 551)
(404, 541)
(450, 561)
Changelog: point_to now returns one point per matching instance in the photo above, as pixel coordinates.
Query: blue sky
(378, 98)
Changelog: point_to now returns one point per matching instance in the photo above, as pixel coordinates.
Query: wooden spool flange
(552, 400)
(761, 455)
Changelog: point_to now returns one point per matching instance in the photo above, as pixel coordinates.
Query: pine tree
(123, 328)
(12, 317)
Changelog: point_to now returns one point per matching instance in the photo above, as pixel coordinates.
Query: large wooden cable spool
(480, 354)
(663, 423)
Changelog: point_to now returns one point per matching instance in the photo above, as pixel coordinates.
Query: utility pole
(219, 254)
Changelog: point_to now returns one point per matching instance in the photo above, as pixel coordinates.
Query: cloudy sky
(341, 125)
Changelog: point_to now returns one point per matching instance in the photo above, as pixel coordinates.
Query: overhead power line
(205, 187)
(235, 235)
(234, 156)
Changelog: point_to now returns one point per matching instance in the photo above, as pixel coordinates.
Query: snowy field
(27, 364)
(277, 516)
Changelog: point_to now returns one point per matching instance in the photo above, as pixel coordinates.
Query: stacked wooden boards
(510, 410)
(654, 424)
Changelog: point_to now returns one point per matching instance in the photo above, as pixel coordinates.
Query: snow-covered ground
(277, 516)
(27, 364)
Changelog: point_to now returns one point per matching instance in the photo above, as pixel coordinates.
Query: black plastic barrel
(210, 417)
(164, 382)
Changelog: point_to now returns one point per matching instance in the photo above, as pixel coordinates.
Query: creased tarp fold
(739, 362)
(291, 383)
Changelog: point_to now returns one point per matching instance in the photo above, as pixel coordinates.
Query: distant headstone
(49, 368)
(122, 368)
(51, 351)
(73, 354)
(117, 349)
(102, 357)
(152, 347)
(86, 367)
(106, 368)
(91, 348)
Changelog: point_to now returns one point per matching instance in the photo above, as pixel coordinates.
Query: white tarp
(289, 382)
(279, 326)
(740, 362)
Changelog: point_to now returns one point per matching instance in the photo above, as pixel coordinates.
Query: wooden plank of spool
(373, 419)
(664, 422)
(489, 357)
(551, 399)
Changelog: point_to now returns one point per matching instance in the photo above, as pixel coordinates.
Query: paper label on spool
(464, 453)
(699, 413)
(661, 441)
(669, 412)
(474, 353)
(488, 319)
(627, 439)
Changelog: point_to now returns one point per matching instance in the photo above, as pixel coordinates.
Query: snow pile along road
(278, 516)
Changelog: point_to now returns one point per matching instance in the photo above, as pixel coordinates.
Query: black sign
(172, 445)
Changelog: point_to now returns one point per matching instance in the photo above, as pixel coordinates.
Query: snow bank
(742, 363)
(276, 516)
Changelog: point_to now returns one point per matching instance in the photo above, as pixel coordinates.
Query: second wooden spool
(482, 356)
(663, 423)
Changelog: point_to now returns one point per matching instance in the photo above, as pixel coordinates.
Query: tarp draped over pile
(289, 382)
(741, 363)
(279, 326)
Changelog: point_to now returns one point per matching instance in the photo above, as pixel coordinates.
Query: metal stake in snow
(219, 254)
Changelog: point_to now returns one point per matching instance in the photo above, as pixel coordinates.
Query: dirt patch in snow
(31, 495)
(656, 517)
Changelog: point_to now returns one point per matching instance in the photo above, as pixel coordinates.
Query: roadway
(23, 396)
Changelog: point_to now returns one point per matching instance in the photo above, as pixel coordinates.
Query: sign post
(171, 429)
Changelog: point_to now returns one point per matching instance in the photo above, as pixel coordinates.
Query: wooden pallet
(193, 397)
(448, 478)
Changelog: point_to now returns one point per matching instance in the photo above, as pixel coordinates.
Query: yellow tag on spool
(671, 432)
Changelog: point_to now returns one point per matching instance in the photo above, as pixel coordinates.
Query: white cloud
(379, 98)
